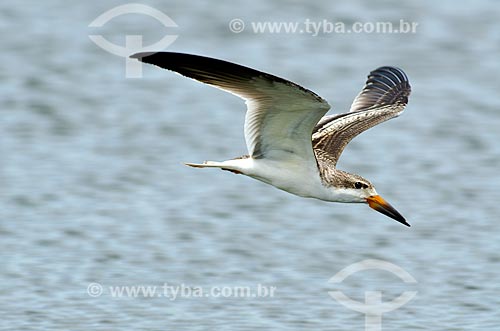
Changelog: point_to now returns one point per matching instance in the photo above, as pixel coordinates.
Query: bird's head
(359, 189)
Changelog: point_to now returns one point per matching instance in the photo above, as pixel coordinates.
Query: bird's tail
(206, 164)
(226, 165)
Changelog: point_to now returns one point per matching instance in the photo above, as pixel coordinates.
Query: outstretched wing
(280, 115)
(383, 97)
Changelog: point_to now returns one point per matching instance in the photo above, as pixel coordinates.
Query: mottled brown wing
(383, 97)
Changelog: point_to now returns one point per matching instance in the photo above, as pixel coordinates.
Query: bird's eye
(358, 185)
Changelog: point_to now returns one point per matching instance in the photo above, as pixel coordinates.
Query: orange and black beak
(376, 202)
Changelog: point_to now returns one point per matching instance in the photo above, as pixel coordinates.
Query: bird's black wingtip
(139, 56)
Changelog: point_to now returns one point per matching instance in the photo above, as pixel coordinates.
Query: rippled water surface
(93, 189)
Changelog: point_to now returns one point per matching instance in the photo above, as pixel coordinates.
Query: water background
(92, 186)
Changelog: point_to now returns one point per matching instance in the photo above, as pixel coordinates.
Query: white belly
(294, 176)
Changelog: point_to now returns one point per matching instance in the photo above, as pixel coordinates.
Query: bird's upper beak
(376, 202)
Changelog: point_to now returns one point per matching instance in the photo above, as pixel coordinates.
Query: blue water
(93, 190)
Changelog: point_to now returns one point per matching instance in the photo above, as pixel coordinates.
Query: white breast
(293, 175)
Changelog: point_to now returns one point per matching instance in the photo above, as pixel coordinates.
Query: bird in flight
(291, 144)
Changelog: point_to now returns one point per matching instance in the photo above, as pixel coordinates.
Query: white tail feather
(206, 164)
(230, 165)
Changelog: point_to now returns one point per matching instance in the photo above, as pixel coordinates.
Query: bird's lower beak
(376, 202)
